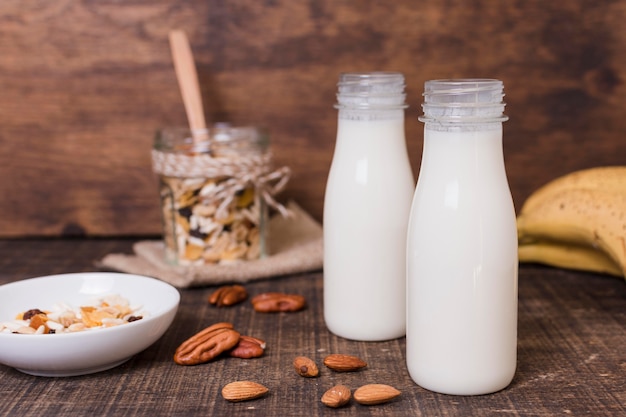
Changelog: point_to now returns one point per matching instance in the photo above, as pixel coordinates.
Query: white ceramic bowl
(85, 352)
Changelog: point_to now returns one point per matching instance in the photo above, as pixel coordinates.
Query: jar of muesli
(215, 193)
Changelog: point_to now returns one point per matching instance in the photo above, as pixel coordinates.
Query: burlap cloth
(294, 243)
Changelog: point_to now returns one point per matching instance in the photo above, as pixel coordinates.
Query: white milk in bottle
(366, 209)
(462, 245)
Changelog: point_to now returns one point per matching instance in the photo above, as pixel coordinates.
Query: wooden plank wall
(85, 84)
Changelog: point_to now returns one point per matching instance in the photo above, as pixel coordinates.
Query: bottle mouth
(371, 90)
(470, 100)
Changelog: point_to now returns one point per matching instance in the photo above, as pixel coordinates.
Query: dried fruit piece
(344, 363)
(38, 320)
(373, 394)
(207, 344)
(275, 302)
(337, 396)
(305, 367)
(243, 391)
(228, 295)
(248, 347)
(30, 313)
(193, 252)
(95, 316)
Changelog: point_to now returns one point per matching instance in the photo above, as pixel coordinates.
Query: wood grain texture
(85, 84)
(571, 360)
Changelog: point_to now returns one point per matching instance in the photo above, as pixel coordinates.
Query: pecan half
(275, 302)
(207, 344)
(228, 295)
(248, 347)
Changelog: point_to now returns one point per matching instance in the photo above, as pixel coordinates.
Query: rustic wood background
(85, 84)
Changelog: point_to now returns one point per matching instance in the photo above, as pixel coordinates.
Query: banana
(577, 221)
(607, 178)
(569, 257)
(586, 217)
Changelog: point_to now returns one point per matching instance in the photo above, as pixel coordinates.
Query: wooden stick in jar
(188, 83)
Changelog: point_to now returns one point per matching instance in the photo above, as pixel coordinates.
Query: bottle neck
(371, 115)
(463, 153)
(462, 127)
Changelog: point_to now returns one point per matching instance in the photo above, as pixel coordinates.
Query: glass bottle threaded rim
(469, 100)
(371, 91)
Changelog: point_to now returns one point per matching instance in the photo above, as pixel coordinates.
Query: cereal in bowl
(108, 311)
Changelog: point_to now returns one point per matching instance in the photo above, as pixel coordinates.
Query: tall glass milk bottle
(462, 245)
(366, 209)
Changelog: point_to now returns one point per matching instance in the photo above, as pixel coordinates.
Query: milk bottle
(462, 245)
(366, 209)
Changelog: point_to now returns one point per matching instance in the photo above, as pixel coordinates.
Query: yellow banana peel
(565, 256)
(577, 221)
(605, 178)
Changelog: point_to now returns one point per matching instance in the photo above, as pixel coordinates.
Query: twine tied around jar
(241, 171)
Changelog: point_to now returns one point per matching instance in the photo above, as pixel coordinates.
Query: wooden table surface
(571, 355)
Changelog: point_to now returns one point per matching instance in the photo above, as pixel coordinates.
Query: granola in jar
(215, 193)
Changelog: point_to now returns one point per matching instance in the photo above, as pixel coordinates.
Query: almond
(372, 394)
(243, 391)
(337, 396)
(305, 367)
(344, 363)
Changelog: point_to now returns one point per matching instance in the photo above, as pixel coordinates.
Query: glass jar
(211, 190)
(462, 245)
(366, 208)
